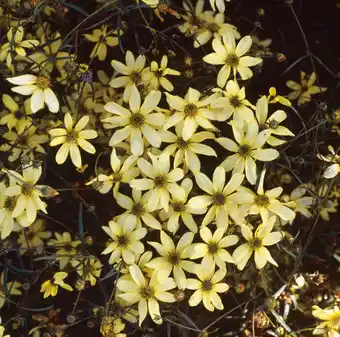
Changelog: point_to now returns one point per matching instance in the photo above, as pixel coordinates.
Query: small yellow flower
(50, 287)
(89, 269)
(207, 286)
(304, 90)
(331, 321)
(40, 89)
(102, 38)
(12, 290)
(72, 136)
(232, 58)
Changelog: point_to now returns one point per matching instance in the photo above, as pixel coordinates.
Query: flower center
(122, 240)
(262, 200)
(173, 258)
(244, 150)
(135, 77)
(219, 199)
(26, 189)
(43, 82)
(273, 124)
(160, 181)
(232, 60)
(190, 110)
(147, 292)
(178, 207)
(234, 101)
(206, 285)
(158, 73)
(116, 177)
(10, 203)
(137, 209)
(255, 243)
(72, 136)
(213, 27)
(137, 120)
(212, 247)
(182, 144)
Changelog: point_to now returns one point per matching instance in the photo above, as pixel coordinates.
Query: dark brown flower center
(137, 209)
(182, 144)
(190, 110)
(137, 120)
(219, 199)
(178, 207)
(234, 101)
(173, 258)
(122, 240)
(147, 292)
(72, 136)
(213, 27)
(160, 181)
(232, 60)
(244, 150)
(116, 177)
(255, 243)
(135, 77)
(26, 189)
(206, 285)
(212, 247)
(10, 203)
(262, 200)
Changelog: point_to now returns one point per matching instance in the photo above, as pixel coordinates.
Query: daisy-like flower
(147, 293)
(155, 75)
(15, 44)
(12, 290)
(331, 321)
(218, 197)
(123, 172)
(16, 117)
(186, 151)
(207, 286)
(232, 58)
(137, 208)
(125, 241)
(132, 73)
(28, 193)
(264, 201)
(40, 89)
(50, 287)
(88, 269)
(33, 236)
(173, 258)
(233, 103)
(72, 136)
(139, 123)
(213, 250)
(256, 243)
(65, 247)
(248, 149)
(179, 208)
(160, 180)
(102, 38)
(193, 110)
(272, 123)
(334, 159)
(303, 91)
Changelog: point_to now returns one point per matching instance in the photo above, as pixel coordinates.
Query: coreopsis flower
(89, 269)
(173, 258)
(192, 109)
(232, 58)
(71, 137)
(303, 91)
(179, 209)
(40, 89)
(123, 172)
(247, 150)
(132, 73)
(16, 45)
(218, 197)
(334, 159)
(331, 321)
(233, 103)
(50, 287)
(12, 290)
(65, 247)
(137, 208)
(146, 293)
(7, 206)
(264, 202)
(125, 241)
(102, 38)
(213, 250)
(160, 180)
(155, 75)
(257, 243)
(27, 192)
(272, 123)
(33, 236)
(186, 151)
(207, 286)
(24, 144)
(16, 117)
(140, 122)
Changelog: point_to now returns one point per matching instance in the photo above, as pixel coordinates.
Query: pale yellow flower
(50, 287)
(249, 148)
(298, 201)
(219, 197)
(102, 38)
(232, 58)
(40, 89)
(146, 293)
(173, 258)
(160, 180)
(207, 286)
(334, 168)
(331, 321)
(112, 326)
(256, 243)
(125, 240)
(89, 269)
(71, 137)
